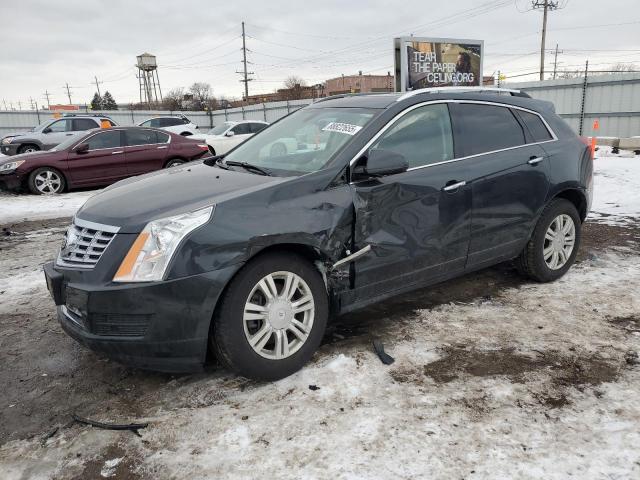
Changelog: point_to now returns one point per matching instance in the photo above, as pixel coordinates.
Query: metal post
(584, 97)
(38, 113)
(226, 117)
(133, 119)
(210, 118)
(544, 37)
(264, 111)
(243, 117)
(288, 109)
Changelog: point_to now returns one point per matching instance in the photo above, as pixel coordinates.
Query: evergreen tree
(108, 102)
(97, 102)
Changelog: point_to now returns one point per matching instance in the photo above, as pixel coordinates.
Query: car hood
(25, 156)
(130, 204)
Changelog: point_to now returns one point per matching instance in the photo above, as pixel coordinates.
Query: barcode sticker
(342, 128)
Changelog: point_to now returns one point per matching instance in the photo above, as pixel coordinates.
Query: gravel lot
(494, 377)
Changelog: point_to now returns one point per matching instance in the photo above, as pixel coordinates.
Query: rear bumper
(159, 326)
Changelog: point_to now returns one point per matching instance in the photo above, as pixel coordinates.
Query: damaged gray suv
(247, 256)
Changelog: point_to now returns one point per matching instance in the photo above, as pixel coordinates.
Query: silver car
(51, 133)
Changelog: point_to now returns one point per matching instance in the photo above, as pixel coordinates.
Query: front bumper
(9, 149)
(159, 326)
(10, 181)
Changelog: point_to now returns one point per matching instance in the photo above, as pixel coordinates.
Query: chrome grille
(84, 243)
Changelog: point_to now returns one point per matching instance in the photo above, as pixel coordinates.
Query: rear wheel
(554, 244)
(272, 317)
(174, 162)
(46, 181)
(29, 148)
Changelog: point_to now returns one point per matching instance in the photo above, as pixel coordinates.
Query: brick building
(358, 84)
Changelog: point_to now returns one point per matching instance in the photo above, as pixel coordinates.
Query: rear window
(81, 124)
(485, 128)
(110, 139)
(537, 129)
(170, 122)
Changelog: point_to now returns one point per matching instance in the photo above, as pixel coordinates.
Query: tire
(46, 181)
(28, 148)
(231, 331)
(537, 259)
(174, 162)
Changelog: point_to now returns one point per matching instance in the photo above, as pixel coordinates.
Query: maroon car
(98, 157)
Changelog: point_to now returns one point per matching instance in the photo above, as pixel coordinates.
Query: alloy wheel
(48, 182)
(559, 241)
(278, 315)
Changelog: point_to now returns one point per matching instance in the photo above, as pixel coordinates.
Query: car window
(60, 126)
(220, 129)
(146, 124)
(110, 139)
(141, 137)
(162, 137)
(81, 124)
(485, 128)
(170, 122)
(535, 125)
(241, 129)
(423, 136)
(256, 127)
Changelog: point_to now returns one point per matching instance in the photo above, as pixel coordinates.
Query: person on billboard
(463, 65)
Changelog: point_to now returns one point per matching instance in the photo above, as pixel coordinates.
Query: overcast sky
(44, 44)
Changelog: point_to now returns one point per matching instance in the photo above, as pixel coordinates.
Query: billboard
(437, 62)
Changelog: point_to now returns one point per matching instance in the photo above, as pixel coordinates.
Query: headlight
(11, 166)
(150, 254)
(7, 140)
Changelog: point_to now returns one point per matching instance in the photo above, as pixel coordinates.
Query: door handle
(159, 148)
(535, 160)
(453, 186)
(116, 153)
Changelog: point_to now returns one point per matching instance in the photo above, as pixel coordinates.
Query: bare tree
(173, 99)
(624, 67)
(294, 87)
(202, 95)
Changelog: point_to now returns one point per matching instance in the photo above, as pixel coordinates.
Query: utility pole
(546, 5)
(68, 92)
(47, 95)
(98, 86)
(5, 104)
(245, 73)
(31, 102)
(555, 61)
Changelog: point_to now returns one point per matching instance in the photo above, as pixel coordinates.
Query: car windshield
(220, 129)
(303, 142)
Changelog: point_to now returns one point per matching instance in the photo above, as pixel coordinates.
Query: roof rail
(85, 115)
(515, 93)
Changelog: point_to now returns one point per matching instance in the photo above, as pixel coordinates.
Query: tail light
(591, 144)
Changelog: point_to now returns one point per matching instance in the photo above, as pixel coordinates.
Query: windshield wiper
(248, 166)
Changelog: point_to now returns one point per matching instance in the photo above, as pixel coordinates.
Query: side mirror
(230, 133)
(384, 162)
(81, 148)
(46, 130)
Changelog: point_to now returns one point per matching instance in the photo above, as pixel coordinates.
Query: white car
(227, 135)
(180, 125)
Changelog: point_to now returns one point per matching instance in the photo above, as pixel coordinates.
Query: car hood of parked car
(130, 204)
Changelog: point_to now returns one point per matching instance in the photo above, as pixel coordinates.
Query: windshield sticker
(342, 128)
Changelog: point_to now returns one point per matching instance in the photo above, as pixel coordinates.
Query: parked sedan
(98, 157)
(228, 135)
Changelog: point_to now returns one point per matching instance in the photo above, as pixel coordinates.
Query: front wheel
(46, 181)
(554, 244)
(174, 162)
(272, 317)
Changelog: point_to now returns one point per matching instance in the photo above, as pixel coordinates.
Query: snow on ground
(23, 207)
(469, 418)
(616, 187)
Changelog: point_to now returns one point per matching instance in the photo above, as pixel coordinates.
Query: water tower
(148, 78)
